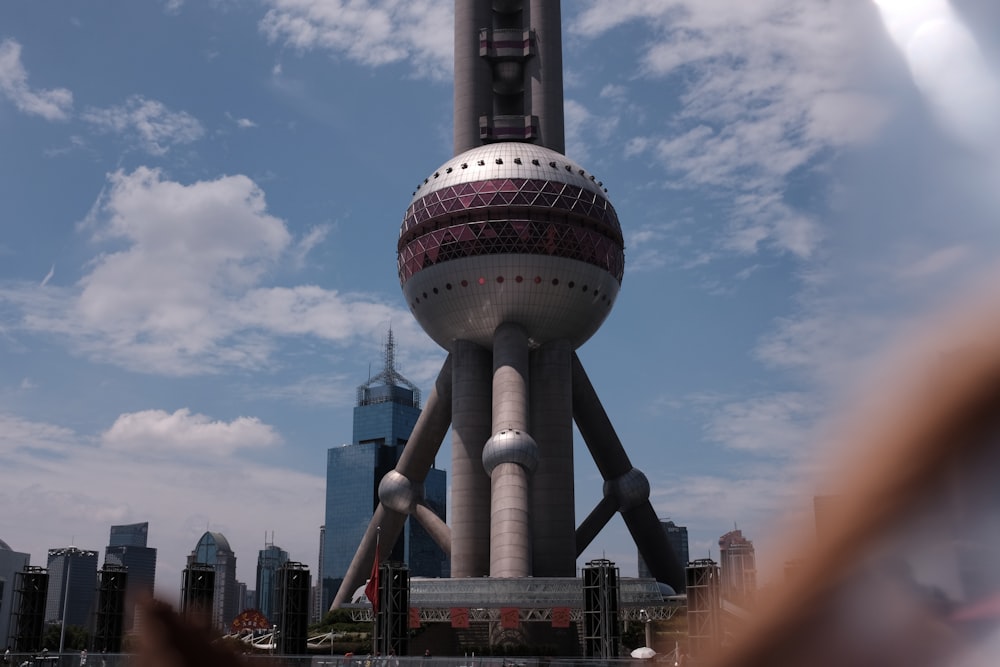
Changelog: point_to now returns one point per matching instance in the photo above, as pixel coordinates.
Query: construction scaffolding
(601, 626)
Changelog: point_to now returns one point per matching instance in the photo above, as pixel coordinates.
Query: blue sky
(199, 204)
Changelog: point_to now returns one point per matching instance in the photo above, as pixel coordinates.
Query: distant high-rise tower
(388, 406)
(11, 562)
(318, 610)
(677, 536)
(127, 547)
(739, 567)
(76, 570)
(213, 549)
(269, 559)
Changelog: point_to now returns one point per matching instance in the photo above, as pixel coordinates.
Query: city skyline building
(72, 586)
(11, 562)
(213, 550)
(510, 257)
(317, 611)
(127, 546)
(677, 536)
(129, 535)
(387, 408)
(738, 564)
(269, 559)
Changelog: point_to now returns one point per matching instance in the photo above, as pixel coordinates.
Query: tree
(77, 637)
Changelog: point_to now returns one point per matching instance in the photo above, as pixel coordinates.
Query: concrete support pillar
(510, 456)
(544, 92)
(470, 485)
(553, 521)
(473, 78)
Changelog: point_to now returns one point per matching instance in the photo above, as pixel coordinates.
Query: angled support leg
(435, 527)
(401, 490)
(625, 487)
(595, 523)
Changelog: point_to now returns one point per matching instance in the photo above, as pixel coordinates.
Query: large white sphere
(510, 232)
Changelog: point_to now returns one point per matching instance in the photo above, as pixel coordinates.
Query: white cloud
(316, 390)
(242, 123)
(935, 263)
(768, 90)
(180, 290)
(51, 104)
(778, 424)
(57, 485)
(161, 432)
(154, 127)
(369, 32)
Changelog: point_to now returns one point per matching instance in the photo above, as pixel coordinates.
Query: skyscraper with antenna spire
(386, 410)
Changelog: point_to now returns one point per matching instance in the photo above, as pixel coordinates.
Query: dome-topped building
(213, 549)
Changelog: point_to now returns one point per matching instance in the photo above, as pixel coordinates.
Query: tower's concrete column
(470, 485)
(553, 522)
(510, 455)
(473, 77)
(544, 74)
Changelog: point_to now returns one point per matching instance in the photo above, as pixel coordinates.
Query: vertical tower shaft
(553, 519)
(510, 456)
(545, 72)
(470, 485)
(508, 73)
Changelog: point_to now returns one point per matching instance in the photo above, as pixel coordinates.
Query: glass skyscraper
(677, 536)
(72, 586)
(127, 547)
(213, 549)
(269, 559)
(387, 408)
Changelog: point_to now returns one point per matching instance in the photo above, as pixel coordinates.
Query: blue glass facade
(127, 547)
(129, 535)
(269, 559)
(677, 536)
(383, 421)
(76, 570)
(213, 549)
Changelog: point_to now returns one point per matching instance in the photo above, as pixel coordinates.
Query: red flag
(371, 590)
(560, 617)
(414, 617)
(460, 617)
(509, 617)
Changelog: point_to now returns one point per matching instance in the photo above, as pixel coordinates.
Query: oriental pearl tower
(510, 257)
